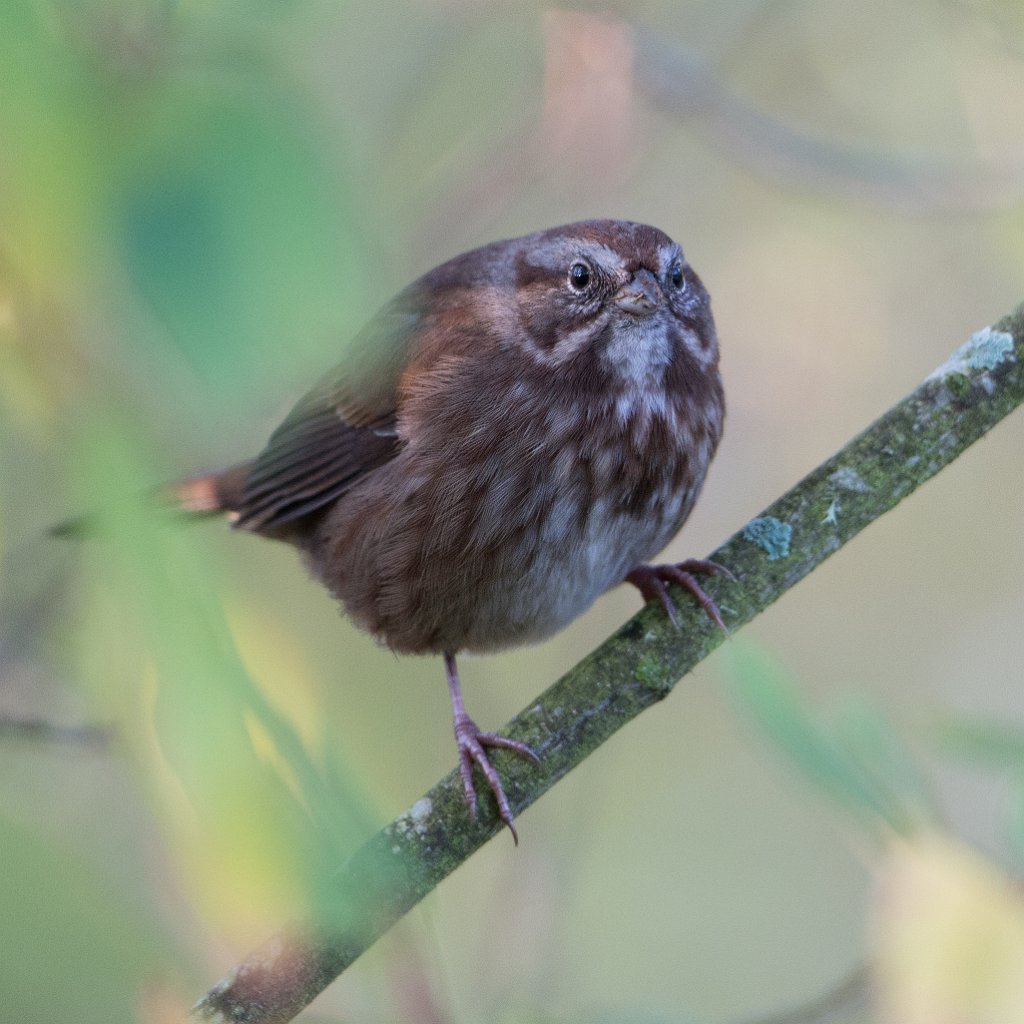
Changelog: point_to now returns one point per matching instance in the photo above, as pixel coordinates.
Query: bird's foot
(652, 582)
(472, 751)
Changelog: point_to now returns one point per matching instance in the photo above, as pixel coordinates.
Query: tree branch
(636, 667)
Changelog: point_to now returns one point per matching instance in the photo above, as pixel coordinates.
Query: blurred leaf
(256, 825)
(949, 937)
(235, 229)
(24, 404)
(45, 168)
(997, 744)
(883, 759)
(178, 147)
(856, 759)
(999, 747)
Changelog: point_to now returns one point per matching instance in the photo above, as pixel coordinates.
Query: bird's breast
(507, 533)
(590, 505)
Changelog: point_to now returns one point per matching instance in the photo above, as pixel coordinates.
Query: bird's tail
(212, 494)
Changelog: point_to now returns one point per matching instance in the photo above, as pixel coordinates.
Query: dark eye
(579, 276)
(675, 274)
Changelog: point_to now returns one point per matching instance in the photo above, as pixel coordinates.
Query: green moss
(650, 672)
(959, 385)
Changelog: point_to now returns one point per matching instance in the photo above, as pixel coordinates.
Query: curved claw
(471, 743)
(652, 580)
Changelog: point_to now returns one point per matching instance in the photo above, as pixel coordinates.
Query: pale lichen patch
(984, 350)
(420, 811)
(417, 817)
(770, 534)
(849, 479)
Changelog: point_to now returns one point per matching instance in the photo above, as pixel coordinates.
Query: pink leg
(471, 743)
(652, 580)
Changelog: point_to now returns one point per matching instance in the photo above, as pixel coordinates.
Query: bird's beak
(641, 296)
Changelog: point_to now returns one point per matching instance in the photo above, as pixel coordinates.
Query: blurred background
(199, 205)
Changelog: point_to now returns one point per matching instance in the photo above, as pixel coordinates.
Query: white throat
(639, 353)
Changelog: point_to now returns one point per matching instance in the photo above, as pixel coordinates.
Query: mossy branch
(638, 666)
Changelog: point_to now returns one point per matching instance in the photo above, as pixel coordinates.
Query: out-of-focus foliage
(947, 928)
(174, 232)
(948, 935)
(997, 747)
(201, 203)
(855, 758)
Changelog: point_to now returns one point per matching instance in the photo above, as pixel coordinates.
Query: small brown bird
(515, 433)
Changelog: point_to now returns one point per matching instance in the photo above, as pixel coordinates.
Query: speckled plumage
(503, 446)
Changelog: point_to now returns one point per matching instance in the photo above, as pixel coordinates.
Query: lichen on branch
(982, 382)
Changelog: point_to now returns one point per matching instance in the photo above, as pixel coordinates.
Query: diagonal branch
(636, 667)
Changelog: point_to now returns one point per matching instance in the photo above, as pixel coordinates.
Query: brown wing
(343, 429)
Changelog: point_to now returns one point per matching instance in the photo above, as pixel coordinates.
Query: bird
(517, 432)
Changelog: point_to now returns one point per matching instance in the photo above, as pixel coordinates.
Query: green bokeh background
(200, 203)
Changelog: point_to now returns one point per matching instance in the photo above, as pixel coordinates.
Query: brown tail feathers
(211, 494)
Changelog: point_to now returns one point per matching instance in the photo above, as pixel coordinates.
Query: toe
(492, 739)
(652, 579)
(466, 760)
(706, 567)
(471, 752)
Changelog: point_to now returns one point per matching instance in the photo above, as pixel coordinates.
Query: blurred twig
(43, 731)
(687, 86)
(21, 626)
(637, 667)
(847, 1003)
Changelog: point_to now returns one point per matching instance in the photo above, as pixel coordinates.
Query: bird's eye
(579, 276)
(675, 274)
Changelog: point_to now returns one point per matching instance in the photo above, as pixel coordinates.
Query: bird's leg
(471, 743)
(652, 582)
